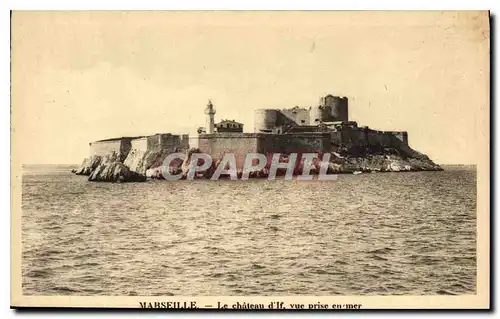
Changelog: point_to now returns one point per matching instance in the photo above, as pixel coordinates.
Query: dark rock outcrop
(176, 166)
(380, 163)
(140, 161)
(88, 165)
(91, 163)
(384, 160)
(151, 163)
(115, 172)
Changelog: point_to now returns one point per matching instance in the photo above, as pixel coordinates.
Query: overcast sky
(84, 76)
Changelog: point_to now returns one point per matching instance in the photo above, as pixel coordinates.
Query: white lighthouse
(210, 112)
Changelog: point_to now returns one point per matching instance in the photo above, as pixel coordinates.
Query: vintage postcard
(279, 160)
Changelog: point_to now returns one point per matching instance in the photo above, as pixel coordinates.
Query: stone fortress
(324, 128)
(318, 129)
(120, 148)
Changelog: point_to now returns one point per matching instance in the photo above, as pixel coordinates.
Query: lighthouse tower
(210, 112)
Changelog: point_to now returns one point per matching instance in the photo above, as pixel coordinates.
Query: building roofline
(119, 138)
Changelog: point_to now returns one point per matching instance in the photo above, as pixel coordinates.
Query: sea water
(367, 234)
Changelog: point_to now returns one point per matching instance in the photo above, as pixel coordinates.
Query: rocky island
(322, 129)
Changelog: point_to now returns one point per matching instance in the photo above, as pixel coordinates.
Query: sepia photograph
(245, 160)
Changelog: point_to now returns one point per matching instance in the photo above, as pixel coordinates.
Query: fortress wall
(134, 160)
(374, 137)
(299, 115)
(184, 142)
(338, 108)
(402, 136)
(315, 115)
(336, 137)
(344, 109)
(167, 142)
(283, 119)
(397, 139)
(155, 142)
(265, 119)
(386, 139)
(119, 146)
(148, 151)
(240, 144)
(140, 144)
(105, 148)
(349, 137)
(353, 136)
(331, 108)
(125, 146)
(292, 143)
(360, 137)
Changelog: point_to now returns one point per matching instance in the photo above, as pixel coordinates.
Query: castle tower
(330, 109)
(210, 112)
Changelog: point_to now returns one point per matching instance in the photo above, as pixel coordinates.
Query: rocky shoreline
(139, 166)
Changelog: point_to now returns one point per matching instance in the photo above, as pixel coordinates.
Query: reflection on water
(367, 234)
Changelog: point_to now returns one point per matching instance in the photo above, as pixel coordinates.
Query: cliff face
(115, 172)
(90, 164)
(152, 165)
(140, 161)
(135, 167)
(108, 168)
